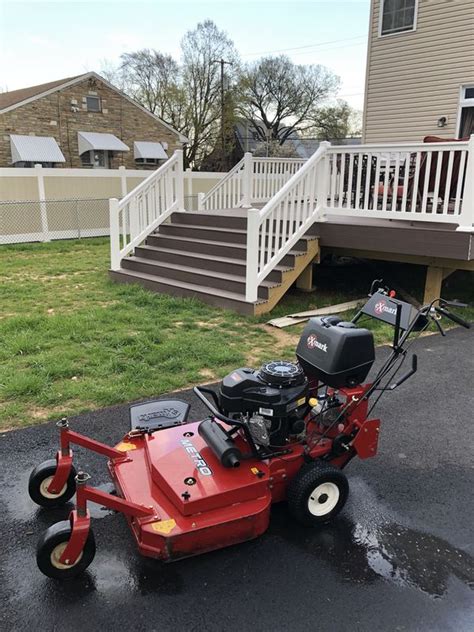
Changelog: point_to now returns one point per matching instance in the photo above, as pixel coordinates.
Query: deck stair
(203, 255)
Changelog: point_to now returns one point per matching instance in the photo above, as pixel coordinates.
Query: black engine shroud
(336, 353)
(278, 392)
(276, 398)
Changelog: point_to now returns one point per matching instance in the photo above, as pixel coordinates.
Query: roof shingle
(16, 96)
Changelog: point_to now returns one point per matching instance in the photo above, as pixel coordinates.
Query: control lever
(438, 325)
(454, 317)
(409, 373)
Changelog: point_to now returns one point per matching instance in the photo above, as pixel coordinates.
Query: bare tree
(280, 97)
(203, 48)
(185, 95)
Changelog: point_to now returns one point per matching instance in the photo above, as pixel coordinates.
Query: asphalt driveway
(397, 558)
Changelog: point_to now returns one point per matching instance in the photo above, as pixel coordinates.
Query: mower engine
(272, 401)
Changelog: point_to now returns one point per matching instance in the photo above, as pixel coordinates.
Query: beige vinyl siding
(414, 78)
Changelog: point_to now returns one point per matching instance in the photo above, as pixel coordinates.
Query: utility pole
(222, 63)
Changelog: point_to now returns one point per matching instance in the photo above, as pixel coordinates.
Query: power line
(284, 50)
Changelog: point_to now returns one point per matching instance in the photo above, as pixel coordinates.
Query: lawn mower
(283, 432)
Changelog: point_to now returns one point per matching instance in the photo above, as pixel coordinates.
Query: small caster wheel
(317, 493)
(41, 477)
(51, 546)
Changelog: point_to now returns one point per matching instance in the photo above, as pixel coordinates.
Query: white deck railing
(428, 182)
(273, 230)
(141, 211)
(251, 181)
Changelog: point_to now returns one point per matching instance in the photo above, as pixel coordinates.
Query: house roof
(302, 147)
(8, 99)
(17, 98)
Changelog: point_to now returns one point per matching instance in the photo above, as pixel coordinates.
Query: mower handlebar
(454, 317)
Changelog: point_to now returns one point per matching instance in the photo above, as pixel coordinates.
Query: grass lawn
(73, 341)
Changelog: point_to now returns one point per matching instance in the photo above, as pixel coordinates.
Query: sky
(45, 41)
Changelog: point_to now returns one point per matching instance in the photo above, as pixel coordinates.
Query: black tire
(38, 483)
(317, 493)
(50, 547)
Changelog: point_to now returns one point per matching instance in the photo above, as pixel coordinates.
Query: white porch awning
(35, 149)
(145, 149)
(88, 141)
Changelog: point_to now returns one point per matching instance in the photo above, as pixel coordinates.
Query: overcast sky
(44, 41)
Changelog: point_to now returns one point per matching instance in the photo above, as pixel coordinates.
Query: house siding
(414, 78)
(51, 115)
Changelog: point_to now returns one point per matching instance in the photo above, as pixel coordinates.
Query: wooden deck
(397, 240)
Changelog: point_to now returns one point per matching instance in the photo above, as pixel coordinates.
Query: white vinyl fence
(42, 204)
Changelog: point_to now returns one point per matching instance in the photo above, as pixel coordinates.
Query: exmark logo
(201, 465)
(382, 308)
(312, 342)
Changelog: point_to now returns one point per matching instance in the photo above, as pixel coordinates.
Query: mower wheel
(41, 477)
(317, 493)
(51, 546)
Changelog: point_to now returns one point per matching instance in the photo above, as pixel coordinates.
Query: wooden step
(202, 219)
(220, 249)
(203, 261)
(208, 233)
(219, 235)
(209, 295)
(196, 276)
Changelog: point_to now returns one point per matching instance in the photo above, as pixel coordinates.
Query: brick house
(81, 121)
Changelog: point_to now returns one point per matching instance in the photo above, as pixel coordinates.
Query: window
(96, 159)
(149, 161)
(30, 164)
(397, 16)
(466, 112)
(93, 104)
(468, 93)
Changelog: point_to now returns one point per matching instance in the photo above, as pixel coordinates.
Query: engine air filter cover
(281, 373)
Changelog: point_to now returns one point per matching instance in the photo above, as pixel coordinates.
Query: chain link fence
(32, 220)
(28, 221)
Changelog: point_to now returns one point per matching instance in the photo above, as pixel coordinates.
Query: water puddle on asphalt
(373, 545)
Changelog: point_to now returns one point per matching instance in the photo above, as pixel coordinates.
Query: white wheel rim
(323, 499)
(56, 554)
(44, 488)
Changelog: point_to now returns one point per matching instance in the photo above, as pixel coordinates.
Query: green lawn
(73, 341)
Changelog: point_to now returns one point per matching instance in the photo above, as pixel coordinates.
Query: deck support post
(305, 281)
(433, 282)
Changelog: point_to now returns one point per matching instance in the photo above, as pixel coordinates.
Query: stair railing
(147, 206)
(273, 230)
(251, 181)
(228, 192)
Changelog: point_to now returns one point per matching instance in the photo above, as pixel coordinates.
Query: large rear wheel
(317, 493)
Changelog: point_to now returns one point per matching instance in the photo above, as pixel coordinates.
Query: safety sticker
(125, 447)
(164, 526)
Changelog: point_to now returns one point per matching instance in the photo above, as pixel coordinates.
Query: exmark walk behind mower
(285, 431)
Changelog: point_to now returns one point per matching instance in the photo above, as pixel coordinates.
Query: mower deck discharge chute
(284, 432)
